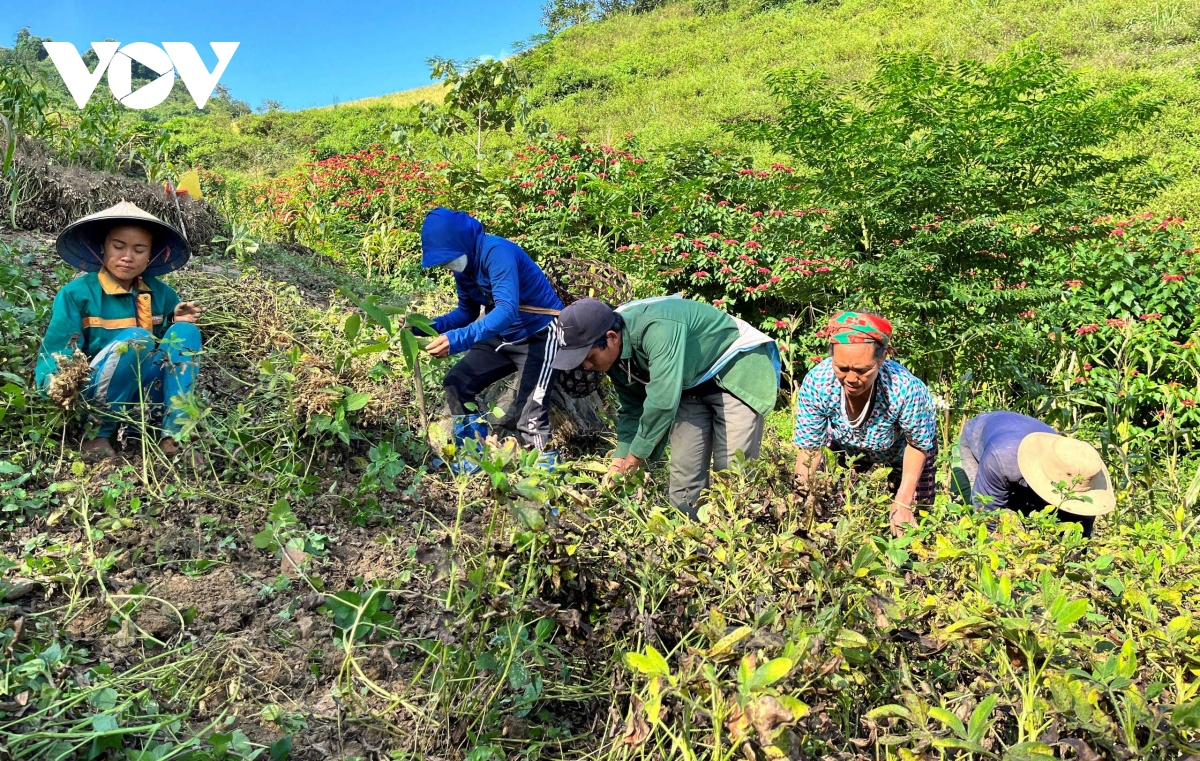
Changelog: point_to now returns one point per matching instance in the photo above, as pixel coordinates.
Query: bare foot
(97, 449)
(170, 447)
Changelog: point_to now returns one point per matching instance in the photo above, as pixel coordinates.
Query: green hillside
(677, 74)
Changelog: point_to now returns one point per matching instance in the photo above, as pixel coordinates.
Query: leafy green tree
(955, 181)
(926, 136)
(609, 8)
(482, 96)
(558, 15)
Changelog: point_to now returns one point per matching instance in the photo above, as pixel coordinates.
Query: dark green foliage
(607, 8)
(926, 136)
(955, 181)
(570, 81)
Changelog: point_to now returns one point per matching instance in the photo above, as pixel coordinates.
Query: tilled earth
(197, 579)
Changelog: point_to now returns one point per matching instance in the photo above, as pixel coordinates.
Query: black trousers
(489, 361)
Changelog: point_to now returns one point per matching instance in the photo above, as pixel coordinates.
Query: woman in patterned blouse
(859, 402)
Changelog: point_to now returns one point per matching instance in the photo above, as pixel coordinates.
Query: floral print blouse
(901, 413)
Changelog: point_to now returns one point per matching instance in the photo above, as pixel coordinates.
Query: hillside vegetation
(315, 587)
(679, 75)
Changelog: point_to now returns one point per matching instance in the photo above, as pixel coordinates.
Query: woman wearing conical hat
(140, 341)
(1013, 461)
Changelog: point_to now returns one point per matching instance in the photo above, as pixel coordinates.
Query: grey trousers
(711, 426)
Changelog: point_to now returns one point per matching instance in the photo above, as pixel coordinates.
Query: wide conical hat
(1046, 459)
(81, 244)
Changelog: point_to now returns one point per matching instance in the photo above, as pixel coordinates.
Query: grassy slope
(402, 99)
(674, 75)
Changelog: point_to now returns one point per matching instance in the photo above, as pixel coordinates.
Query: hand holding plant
(901, 515)
(439, 347)
(621, 466)
(188, 311)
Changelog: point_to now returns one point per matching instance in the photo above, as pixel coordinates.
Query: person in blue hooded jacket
(517, 333)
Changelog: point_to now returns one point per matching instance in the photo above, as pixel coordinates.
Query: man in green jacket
(680, 366)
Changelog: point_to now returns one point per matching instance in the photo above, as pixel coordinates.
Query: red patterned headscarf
(858, 328)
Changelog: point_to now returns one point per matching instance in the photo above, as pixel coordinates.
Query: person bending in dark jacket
(518, 332)
(1009, 460)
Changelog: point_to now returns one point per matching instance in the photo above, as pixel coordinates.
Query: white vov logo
(179, 57)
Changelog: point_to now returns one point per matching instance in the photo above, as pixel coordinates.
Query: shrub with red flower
(363, 208)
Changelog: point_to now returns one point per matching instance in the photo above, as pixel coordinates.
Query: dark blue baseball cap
(583, 324)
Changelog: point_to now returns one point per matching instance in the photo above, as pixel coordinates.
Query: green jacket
(92, 309)
(666, 346)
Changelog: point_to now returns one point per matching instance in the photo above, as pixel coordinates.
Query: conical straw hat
(81, 244)
(1046, 459)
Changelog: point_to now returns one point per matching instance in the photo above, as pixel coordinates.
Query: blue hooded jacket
(499, 276)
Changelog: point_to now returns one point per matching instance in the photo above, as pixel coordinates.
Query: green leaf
(529, 514)
(726, 643)
(421, 323)
(798, 708)
(485, 661)
(356, 401)
(1070, 613)
(649, 662)
(950, 742)
(1030, 751)
(102, 722)
(978, 725)
(770, 672)
(891, 709)
(949, 719)
(653, 706)
(409, 348)
(850, 638)
(518, 675)
(353, 324)
(1187, 715)
(281, 749)
(370, 305)
(529, 487)
(374, 348)
(104, 699)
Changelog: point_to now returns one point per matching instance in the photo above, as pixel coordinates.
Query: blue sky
(302, 52)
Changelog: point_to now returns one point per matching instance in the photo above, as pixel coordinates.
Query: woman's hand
(807, 462)
(439, 347)
(901, 515)
(188, 311)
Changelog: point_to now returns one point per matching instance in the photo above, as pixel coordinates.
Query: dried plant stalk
(72, 376)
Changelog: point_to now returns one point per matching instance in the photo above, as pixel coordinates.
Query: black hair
(104, 230)
(617, 326)
(881, 350)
